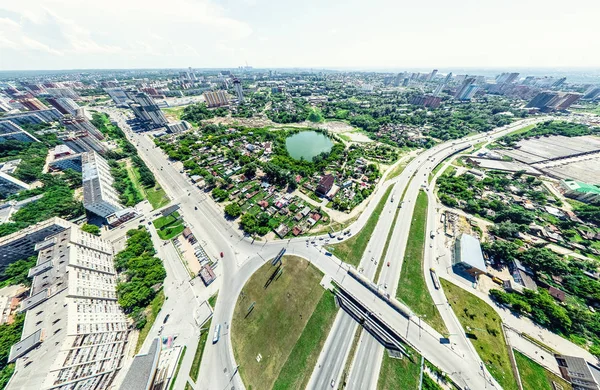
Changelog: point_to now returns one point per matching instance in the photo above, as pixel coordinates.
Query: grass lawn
(195, 369)
(412, 289)
(151, 313)
(485, 334)
(297, 369)
(212, 301)
(281, 313)
(351, 250)
(398, 169)
(168, 226)
(178, 367)
(156, 195)
(534, 376)
(400, 373)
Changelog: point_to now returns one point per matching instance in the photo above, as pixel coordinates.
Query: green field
(195, 369)
(296, 371)
(351, 250)
(156, 195)
(282, 312)
(400, 373)
(412, 289)
(485, 332)
(169, 226)
(534, 376)
(153, 310)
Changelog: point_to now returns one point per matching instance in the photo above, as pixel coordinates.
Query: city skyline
(60, 35)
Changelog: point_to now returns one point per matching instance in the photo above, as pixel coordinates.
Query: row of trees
(143, 274)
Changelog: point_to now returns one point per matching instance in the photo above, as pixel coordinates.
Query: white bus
(217, 335)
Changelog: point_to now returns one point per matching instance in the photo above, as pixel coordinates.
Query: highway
(242, 257)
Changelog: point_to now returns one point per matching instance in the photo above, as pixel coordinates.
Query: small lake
(307, 144)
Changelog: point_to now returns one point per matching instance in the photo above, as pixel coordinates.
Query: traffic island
(280, 323)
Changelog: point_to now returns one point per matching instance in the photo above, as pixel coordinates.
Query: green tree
(233, 210)
(92, 229)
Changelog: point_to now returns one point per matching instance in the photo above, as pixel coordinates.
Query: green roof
(580, 186)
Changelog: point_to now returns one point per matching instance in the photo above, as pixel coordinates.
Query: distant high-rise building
(466, 90)
(237, 85)
(99, 196)
(118, 95)
(431, 75)
(82, 124)
(427, 101)
(506, 78)
(34, 117)
(216, 98)
(146, 110)
(567, 100)
(32, 104)
(559, 82)
(405, 82)
(448, 78)
(66, 106)
(550, 101)
(592, 93)
(439, 89)
(63, 92)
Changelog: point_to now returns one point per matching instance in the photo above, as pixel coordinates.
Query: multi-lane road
(242, 257)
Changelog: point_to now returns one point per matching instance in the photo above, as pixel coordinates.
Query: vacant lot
(484, 328)
(280, 315)
(534, 376)
(351, 250)
(412, 289)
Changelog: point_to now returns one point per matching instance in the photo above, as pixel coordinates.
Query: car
(388, 263)
(385, 285)
(166, 318)
(222, 255)
(195, 207)
(340, 238)
(332, 383)
(149, 222)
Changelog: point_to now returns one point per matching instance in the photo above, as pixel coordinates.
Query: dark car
(166, 319)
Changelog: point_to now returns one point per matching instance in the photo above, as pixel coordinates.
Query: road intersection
(243, 256)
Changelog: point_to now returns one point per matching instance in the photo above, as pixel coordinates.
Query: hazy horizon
(64, 34)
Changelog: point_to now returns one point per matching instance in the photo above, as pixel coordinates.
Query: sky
(84, 34)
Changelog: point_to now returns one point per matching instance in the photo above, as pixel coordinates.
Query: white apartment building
(75, 334)
(99, 196)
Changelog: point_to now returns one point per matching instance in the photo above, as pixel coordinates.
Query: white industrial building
(75, 334)
(99, 196)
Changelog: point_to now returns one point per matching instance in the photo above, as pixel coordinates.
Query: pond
(307, 144)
